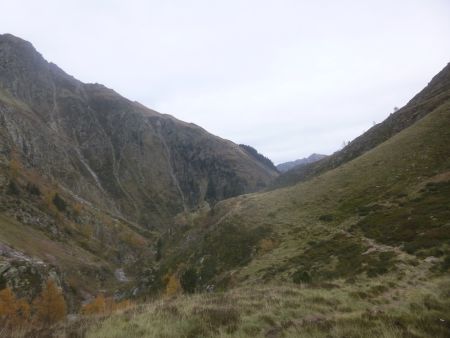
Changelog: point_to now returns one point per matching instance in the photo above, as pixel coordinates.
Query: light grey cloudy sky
(289, 77)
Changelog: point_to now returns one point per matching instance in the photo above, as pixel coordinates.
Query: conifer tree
(188, 280)
(49, 307)
(13, 312)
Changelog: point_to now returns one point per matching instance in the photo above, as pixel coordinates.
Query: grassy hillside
(396, 194)
(389, 309)
(392, 203)
(436, 93)
(362, 250)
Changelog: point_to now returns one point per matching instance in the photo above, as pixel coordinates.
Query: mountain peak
(14, 46)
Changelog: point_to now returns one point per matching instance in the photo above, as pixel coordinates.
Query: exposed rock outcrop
(115, 153)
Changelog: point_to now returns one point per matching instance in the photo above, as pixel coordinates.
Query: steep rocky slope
(117, 154)
(432, 96)
(88, 178)
(47, 232)
(259, 157)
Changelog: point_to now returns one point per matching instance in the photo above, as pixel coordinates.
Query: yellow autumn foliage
(102, 305)
(13, 312)
(49, 307)
(173, 285)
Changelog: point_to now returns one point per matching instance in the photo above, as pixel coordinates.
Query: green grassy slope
(396, 194)
(369, 203)
(436, 93)
(362, 250)
(378, 310)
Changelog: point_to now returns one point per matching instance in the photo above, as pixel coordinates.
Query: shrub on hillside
(33, 189)
(301, 276)
(97, 306)
(49, 307)
(59, 203)
(159, 245)
(326, 218)
(188, 280)
(13, 312)
(15, 165)
(173, 285)
(13, 189)
(102, 305)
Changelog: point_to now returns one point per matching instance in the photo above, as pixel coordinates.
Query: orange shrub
(265, 245)
(173, 285)
(15, 165)
(77, 208)
(49, 307)
(97, 306)
(104, 306)
(13, 312)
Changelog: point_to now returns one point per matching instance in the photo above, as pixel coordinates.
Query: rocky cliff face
(117, 154)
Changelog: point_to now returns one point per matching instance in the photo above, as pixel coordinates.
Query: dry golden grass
(377, 310)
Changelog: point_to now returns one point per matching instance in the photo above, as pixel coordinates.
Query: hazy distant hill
(286, 166)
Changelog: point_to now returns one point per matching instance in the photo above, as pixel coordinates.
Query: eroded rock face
(23, 274)
(117, 154)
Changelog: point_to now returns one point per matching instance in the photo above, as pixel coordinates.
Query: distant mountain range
(286, 166)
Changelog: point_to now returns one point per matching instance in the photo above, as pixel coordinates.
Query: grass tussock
(291, 311)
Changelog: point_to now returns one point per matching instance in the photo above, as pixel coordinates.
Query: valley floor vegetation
(414, 303)
(375, 310)
(20, 317)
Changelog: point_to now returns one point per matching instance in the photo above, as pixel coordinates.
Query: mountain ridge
(111, 201)
(286, 166)
(100, 129)
(435, 93)
(90, 179)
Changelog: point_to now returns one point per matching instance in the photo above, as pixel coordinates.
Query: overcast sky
(287, 77)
